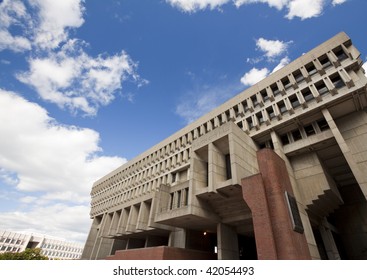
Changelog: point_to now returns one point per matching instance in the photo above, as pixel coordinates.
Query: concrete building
(277, 172)
(51, 247)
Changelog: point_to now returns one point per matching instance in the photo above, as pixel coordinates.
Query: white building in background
(52, 247)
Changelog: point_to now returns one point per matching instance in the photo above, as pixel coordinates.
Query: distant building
(52, 248)
(277, 172)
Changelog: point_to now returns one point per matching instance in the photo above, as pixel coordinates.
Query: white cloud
(272, 48)
(254, 75)
(13, 13)
(60, 161)
(279, 4)
(196, 5)
(54, 220)
(283, 62)
(71, 78)
(305, 9)
(338, 2)
(54, 19)
(365, 68)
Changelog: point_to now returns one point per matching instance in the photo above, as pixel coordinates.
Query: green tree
(27, 254)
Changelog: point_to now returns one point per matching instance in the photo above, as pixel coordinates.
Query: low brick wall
(162, 253)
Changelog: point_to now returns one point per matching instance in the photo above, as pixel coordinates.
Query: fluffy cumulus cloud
(254, 75)
(73, 79)
(196, 5)
(302, 9)
(59, 161)
(272, 48)
(305, 8)
(13, 13)
(54, 20)
(365, 68)
(54, 220)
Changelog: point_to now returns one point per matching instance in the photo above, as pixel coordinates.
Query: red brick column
(265, 195)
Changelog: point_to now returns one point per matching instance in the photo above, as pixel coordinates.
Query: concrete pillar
(177, 238)
(359, 174)
(227, 243)
(329, 243)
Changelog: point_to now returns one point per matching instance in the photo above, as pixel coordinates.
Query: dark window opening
(323, 125)
(340, 54)
(282, 107)
(294, 101)
(270, 112)
(245, 106)
(296, 135)
(260, 117)
(307, 94)
(240, 124)
(325, 62)
(309, 129)
(298, 76)
(286, 83)
(322, 88)
(275, 89)
(284, 138)
(311, 69)
(264, 95)
(337, 81)
(228, 167)
(254, 100)
(250, 123)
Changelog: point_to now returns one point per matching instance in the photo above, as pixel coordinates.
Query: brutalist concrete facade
(277, 172)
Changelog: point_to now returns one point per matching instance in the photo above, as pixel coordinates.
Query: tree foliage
(27, 254)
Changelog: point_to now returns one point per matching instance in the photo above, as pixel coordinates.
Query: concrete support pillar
(177, 238)
(329, 243)
(359, 174)
(227, 243)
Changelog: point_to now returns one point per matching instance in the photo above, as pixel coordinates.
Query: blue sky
(87, 85)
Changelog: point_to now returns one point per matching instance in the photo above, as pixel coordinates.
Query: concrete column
(329, 243)
(357, 172)
(227, 243)
(177, 238)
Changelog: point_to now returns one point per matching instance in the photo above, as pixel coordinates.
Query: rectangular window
(321, 88)
(250, 123)
(228, 167)
(294, 101)
(260, 117)
(325, 62)
(286, 83)
(337, 81)
(298, 76)
(296, 135)
(264, 95)
(282, 107)
(340, 53)
(311, 69)
(307, 94)
(275, 89)
(254, 100)
(270, 112)
(323, 125)
(309, 130)
(284, 138)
